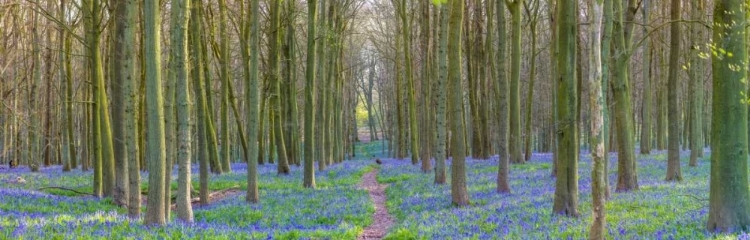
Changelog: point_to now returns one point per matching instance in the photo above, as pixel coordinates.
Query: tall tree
(104, 153)
(320, 150)
(155, 214)
(225, 78)
(533, 13)
(275, 79)
(123, 72)
(729, 198)
(250, 53)
(623, 20)
(502, 93)
(130, 135)
(309, 168)
(196, 74)
(596, 101)
(179, 67)
(426, 112)
(696, 83)
(406, 48)
(566, 188)
(442, 95)
(67, 72)
(459, 192)
(647, 90)
(514, 139)
(673, 160)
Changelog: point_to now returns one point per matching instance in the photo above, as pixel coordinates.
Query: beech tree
(729, 197)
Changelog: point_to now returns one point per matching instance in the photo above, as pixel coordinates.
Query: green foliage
(439, 2)
(402, 234)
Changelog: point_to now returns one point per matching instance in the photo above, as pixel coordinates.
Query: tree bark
(155, 214)
(501, 93)
(729, 198)
(673, 160)
(309, 167)
(596, 103)
(514, 139)
(459, 193)
(566, 188)
(179, 18)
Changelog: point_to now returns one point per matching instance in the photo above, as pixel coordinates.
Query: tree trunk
(274, 74)
(155, 214)
(197, 82)
(459, 192)
(566, 188)
(696, 85)
(441, 95)
(322, 96)
(514, 144)
(225, 78)
(252, 36)
(647, 90)
(729, 198)
(179, 19)
(501, 93)
(123, 76)
(596, 103)
(673, 160)
(309, 167)
(627, 176)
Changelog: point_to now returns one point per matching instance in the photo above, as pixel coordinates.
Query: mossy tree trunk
(674, 117)
(501, 94)
(459, 191)
(729, 198)
(155, 210)
(566, 187)
(596, 103)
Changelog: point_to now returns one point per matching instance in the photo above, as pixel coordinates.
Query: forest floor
(352, 202)
(659, 210)
(382, 220)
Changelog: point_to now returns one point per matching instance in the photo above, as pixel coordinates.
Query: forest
(374, 119)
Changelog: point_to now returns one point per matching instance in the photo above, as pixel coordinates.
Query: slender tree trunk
(426, 130)
(197, 81)
(320, 150)
(501, 93)
(696, 85)
(251, 50)
(155, 214)
(596, 103)
(530, 93)
(647, 91)
(441, 95)
(309, 167)
(514, 139)
(179, 18)
(124, 73)
(459, 192)
(627, 176)
(412, 108)
(673, 160)
(274, 74)
(130, 91)
(225, 78)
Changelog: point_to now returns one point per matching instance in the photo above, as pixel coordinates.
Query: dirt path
(382, 221)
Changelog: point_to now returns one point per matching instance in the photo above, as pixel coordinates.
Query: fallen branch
(67, 189)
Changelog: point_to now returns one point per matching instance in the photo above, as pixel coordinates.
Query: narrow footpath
(382, 220)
